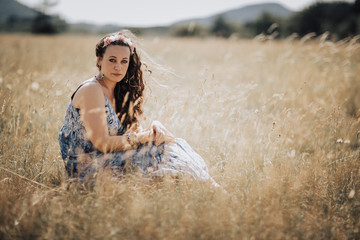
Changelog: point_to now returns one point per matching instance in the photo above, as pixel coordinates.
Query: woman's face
(115, 62)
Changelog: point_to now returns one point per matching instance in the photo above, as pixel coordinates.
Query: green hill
(242, 15)
(12, 8)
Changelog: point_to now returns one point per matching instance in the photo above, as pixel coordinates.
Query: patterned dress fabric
(82, 159)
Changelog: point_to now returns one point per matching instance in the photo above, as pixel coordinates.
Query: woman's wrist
(133, 139)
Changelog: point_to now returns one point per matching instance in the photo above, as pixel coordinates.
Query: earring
(99, 78)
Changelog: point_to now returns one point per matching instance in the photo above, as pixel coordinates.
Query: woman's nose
(117, 66)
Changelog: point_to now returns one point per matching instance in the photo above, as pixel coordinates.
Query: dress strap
(82, 84)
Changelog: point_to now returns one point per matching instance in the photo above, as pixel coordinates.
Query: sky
(144, 13)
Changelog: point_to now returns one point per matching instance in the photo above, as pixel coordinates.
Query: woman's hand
(161, 134)
(157, 133)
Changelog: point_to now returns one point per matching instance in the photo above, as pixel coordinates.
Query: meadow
(277, 122)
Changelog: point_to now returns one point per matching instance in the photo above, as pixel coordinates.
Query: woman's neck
(109, 86)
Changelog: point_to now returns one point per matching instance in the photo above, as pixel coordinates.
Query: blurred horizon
(149, 14)
(265, 20)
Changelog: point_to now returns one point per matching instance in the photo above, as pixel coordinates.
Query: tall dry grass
(277, 122)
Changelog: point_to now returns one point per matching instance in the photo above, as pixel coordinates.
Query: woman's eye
(112, 60)
(124, 61)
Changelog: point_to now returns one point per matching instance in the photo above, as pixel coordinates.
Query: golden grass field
(277, 122)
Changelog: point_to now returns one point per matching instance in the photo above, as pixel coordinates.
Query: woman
(102, 129)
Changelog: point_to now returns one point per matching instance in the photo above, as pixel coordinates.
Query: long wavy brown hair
(129, 91)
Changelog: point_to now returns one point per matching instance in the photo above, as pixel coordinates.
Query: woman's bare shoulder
(90, 85)
(90, 90)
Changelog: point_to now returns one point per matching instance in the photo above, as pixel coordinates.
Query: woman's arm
(90, 99)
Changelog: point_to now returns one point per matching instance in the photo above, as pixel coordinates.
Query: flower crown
(108, 40)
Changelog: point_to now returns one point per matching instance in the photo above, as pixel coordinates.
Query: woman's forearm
(122, 143)
(113, 144)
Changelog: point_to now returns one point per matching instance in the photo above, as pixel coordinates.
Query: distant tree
(357, 7)
(266, 24)
(190, 30)
(335, 17)
(11, 22)
(16, 24)
(357, 15)
(44, 22)
(45, 5)
(221, 28)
